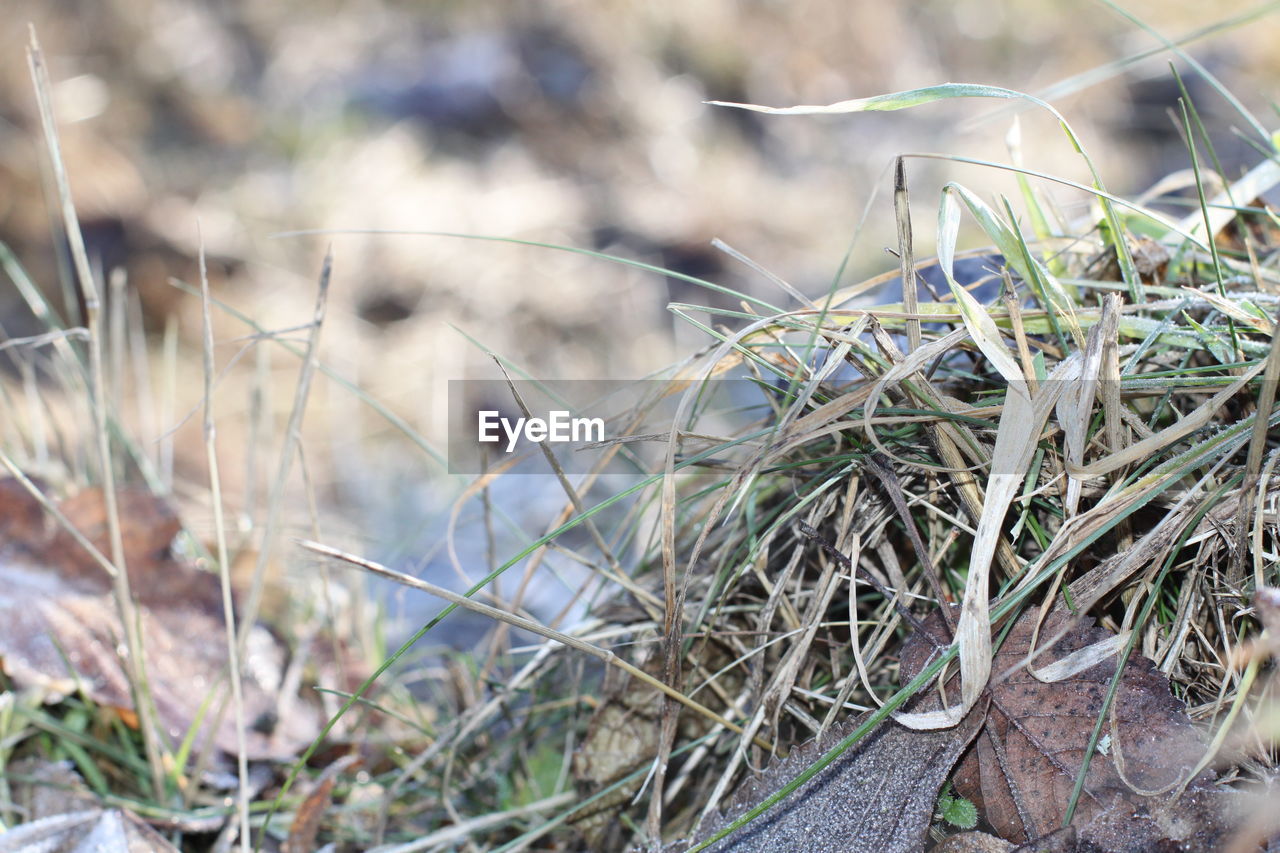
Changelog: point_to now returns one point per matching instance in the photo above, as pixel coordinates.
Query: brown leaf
(57, 611)
(879, 795)
(1023, 766)
(306, 822)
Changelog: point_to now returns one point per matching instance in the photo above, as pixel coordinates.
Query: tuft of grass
(1080, 429)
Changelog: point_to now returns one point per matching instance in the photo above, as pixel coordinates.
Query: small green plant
(956, 810)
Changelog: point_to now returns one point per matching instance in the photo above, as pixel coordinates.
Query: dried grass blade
(1079, 660)
(1189, 423)
(134, 661)
(1076, 407)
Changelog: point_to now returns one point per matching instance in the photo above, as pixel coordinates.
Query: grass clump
(1087, 423)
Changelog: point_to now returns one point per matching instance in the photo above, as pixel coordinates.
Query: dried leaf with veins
(878, 795)
(1023, 766)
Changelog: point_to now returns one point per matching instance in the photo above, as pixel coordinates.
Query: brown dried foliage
(1023, 766)
(60, 628)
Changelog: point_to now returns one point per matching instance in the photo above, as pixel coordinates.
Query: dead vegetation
(1017, 543)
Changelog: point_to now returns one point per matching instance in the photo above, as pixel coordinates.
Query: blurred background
(574, 123)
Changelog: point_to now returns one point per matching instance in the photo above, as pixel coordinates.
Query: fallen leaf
(306, 822)
(60, 628)
(878, 795)
(1023, 767)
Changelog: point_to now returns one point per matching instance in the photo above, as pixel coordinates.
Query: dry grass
(1092, 427)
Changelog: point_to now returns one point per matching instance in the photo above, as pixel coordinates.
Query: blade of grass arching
(1199, 67)
(514, 241)
(1181, 229)
(404, 647)
(135, 664)
(1010, 243)
(223, 555)
(1134, 635)
(946, 91)
(1017, 436)
(1109, 70)
(1021, 420)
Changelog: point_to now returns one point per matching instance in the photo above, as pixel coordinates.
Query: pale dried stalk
(135, 664)
(224, 561)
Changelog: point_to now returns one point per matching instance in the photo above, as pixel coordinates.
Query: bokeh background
(579, 123)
